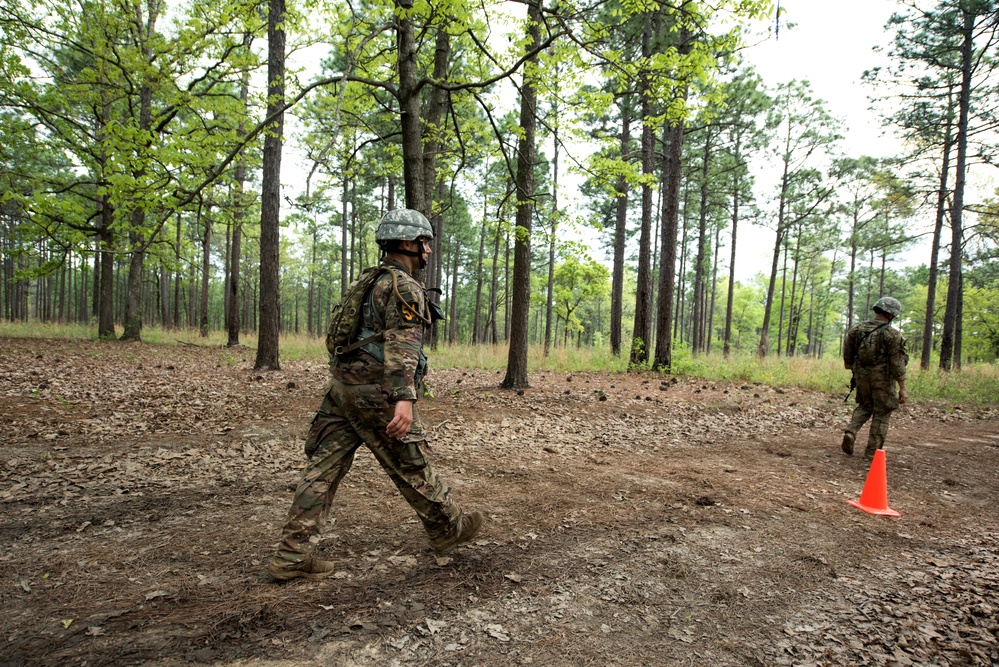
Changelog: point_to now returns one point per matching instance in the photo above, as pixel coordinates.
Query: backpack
(345, 319)
(870, 350)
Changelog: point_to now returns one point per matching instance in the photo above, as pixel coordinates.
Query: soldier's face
(423, 247)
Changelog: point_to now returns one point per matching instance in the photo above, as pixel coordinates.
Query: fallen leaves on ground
(632, 519)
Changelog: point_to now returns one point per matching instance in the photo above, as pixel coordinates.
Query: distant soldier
(876, 354)
(375, 342)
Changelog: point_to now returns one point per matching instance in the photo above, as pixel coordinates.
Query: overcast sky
(830, 45)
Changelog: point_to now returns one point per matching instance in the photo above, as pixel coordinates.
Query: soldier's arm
(849, 353)
(898, 358)
(403, 338)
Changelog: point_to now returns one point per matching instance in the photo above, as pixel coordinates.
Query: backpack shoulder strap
(872, 332)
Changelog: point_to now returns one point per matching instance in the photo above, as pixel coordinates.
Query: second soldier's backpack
(870, 349)
(345, 319)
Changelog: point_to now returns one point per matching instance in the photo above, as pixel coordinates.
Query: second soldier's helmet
(888, 305)
(403, 224)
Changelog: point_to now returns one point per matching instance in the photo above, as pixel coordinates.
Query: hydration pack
(345, 319)
(870, 351)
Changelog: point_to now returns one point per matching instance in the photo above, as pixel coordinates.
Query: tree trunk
(105, 317)
(678, 321)
(620, 235)
(477, 336)
(764, 346)
(516, 370)
(727, 346)
(176, 277)
(714, 290)
(789, 347)
(783, 293)
(270, 195)
(137, 236)
(550, 297)
(494, 291)
(344, 233)
(642, 332)
(310, 319)
(206, 250)
(164, 297)
(959, 324)
(133, 286)
(697, 339)
(452, 329)
(95, 309)
(431, 138)
(931, 286)
(673, 142)
(506, 290)
(409, 109)
(957, 236)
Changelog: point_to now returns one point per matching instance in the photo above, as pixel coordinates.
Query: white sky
(830, 46)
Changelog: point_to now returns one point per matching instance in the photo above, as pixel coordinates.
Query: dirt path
(632, 522)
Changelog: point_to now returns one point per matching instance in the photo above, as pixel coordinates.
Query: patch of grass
(975, 385)
(42, 330)
(559, 359)
(978, 384)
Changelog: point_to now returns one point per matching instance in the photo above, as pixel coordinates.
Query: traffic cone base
(874, 497)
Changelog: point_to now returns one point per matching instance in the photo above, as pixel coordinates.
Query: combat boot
(310, 568)
(874, 443)
(465, 532)
(848, 440)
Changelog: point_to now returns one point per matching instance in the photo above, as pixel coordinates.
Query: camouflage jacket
(890, 357)
(396, 307)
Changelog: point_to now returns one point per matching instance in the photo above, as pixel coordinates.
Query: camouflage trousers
(877, 398)
(352, 415)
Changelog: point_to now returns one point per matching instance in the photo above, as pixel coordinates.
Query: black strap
(870, 333)
(361, 343)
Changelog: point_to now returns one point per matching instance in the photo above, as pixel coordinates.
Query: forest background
(141, 147)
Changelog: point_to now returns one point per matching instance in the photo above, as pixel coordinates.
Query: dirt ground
(633, 520)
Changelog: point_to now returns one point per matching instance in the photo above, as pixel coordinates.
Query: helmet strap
(414, 253)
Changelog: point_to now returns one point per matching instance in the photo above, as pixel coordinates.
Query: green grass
(977, 384)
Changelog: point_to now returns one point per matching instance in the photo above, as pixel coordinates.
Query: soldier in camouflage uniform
(876, 354)
(371, 401)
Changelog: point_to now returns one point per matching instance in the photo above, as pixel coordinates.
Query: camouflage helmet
(889, 306)
(403, 224)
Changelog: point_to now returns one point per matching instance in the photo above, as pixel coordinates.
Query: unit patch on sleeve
(409, 313)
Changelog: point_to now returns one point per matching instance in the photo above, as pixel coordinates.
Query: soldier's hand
(903, 396)
(403, 419)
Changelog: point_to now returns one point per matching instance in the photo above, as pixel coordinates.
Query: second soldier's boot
(874, 443)
(848, 440)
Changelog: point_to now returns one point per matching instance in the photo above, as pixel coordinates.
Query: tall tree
(516, 369)
(745, 101)
(937, 52)
(805, 130)
(270, 196)
(973, 19)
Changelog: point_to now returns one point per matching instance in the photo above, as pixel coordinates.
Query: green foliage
(976, 384)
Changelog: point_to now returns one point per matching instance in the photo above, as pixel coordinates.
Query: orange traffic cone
(874, 497)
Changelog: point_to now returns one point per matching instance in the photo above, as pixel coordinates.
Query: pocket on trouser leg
(312, 439)
(412, 449)
(410, 453)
